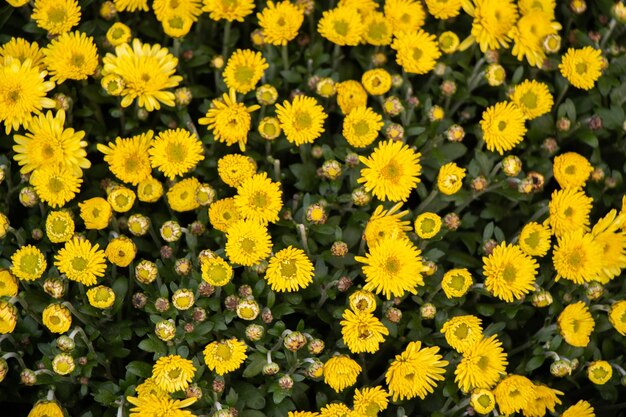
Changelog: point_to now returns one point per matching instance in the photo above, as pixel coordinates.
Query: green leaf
(535, 362)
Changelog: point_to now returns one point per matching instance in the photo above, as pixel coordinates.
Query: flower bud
(218, 384)
(455, 133)
(394, 315)
(495, 75)
(331, 169)
(4, 369)
(552, 43)
(452, 221)
(294, 341)
(560, 368)
(205, 289)
(171, 231)
(428, 311)
(316, 346)
(541, 299)
(183, 299)
(563, 124)
(285, 382)
(28, 377)
(54, 287)
(316, 214)
(448, 88)
(271, 368)
(489, 246)
(339, 249)
(360, 197)
(344, 283)
(193, 391)
(28, 197)
(430, 268)
(266, 95)
(594, 290)
(248, 309)
(166, 252)
(162, 304)
(139, 300)
(394, 131)
(578, 6)
(63, 364)
(315, 370)
(231, 302)
(182, 267)
(65, 343)
(146, 272)
(183, 96)
(254, 332)
(511, 165)
(165, 330)
(267, 316)
(392, 106)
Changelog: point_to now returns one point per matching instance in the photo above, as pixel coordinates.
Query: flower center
(501, 125)
(243, 74)
(581, 68)
(391, 171)
(13, 95)
(259, 200)
(217, 274)
(427, 225)
(570, 170)
(377, 30)
(58, 226)
(509, 273)
(77, 60)
(576, 259)
(417, 53)
(361, 128)
(176, 22)
(121, 200)
(79, 263)
(223, 352)
(599, 373)
(302, 120)
(462, 331)
(177, 152)
(117, 33)
(288, 269)
(55, 185)
(102, 295)
(30, 263)
(174, 373)
(341, 27)
(532, 240)
(56, 15)
(484, 400)
(569, 212)
(392, 265)
(483, 363)
(248, 245)
(529, 100)
(457, 282)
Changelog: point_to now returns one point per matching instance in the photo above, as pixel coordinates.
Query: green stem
(285, 55)
(428, 200)
(226, 39)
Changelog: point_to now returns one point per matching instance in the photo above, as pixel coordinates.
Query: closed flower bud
(267, 316)
(560, 368)
(193, 391)
(63, 364)
(28, 196)
(455, 133)
(597, 174)
(171, 231)
(231, 302)
(594, 290)
(325, 87)
(393, 314)
(146, 272)
(62, 101)
(610, 182)
(360, 197)
(294, 341)
(139, 300)
(428, 311)
(317, 152)
(536, 179)
(205, 289)
(352, 160)
(218, 384)
(479, 183)
(344, 283)
(166, 252)
(331, 169)
(448, 88)
(552, 43)
(199, 314)
(339, 249)
(550, 145)
(205, 194)
(316, 214)
(574, 363)
(142, 114)
(595, 122)
(396, 80)
(379, 59)
(189, 327)
(162, 304)
(165, 330)
(492, 56)
(183, 299)
(578, 6)
(248, 309)
(394, 131)
(440, 69)
(261, 267)
(217, 61)
(285, 382)
(563, 124)
(245, 291)
(452, 221)
(511, 166)
(316, 346)
(108, 10)
(254, 332)
(266, 95)
(271, 369)
(619, 12)
(37, 234)
(413, 101)
(65, 343)
(182, 266)
(489, 246)
(258, 38)
(392, 106)
(197, 228)
(28, 377)
(495, 75)
(54, 287)
(183, 96)
(541, 299)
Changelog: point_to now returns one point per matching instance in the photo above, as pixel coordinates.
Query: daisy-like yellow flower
(81, 261)
(129, 158)
(363, 7)
(234, 169)
(21, 50)
(370, 401)
(46, 409)
(55, 184)
(56, 318)
(532, 98)
(225, 356)
(247, 243)
(392, 171)
(182, 195)
(576, 324)
(131, 5)
(8, 317)
(582, 67)
(513, 393)
(121, 251)
(101, 297)
(149, 190)
(376, 81)
(482, 365)
(302, 120)
(341, 372)
(509, 272)
(405, 15)
(121, 199)
(571, 170)
(462, 332)
(350, 95)
(147, 71)
(259, 199)
(361, 126)
(581, 409)
(392, 268)
(493, 20)
(173, 373)
(448, 42)
(483, 401)
(569, 211)
(416, 52)
(335, 410)
(24, 91)
(456, 282)
(363, 301)
(28, 263)
(362, 332)
(96, 213)
(244, 70)
(154, 405)
(229, 120)
(228, 10)
(415, 372)
(534, 239)
(175, 152)
(8, 284)
(185, 9)
(378, 30)
(427, 225)
(47, 141)
(545, 6)
(342, 26)
(118, 34)
(545, 399)
(450, 178)
(269, 128)
(302, 414)
(444, 9)
(577, 257)
(617, 316)
(290, 269)
(149, 387)
(529, 34)
(56, 17)
(216, 271)
(599, 372)
(503, 126)
(72, 56)
(280, 22)
(223, 213)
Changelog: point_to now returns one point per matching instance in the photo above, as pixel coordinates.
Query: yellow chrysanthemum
(234, 169)
(350, 95)
(335, 410)
(532, 98)
(182, 195)
(28, 263)
(147, 71)
(56, 318)
(482, 365)
(229, 10)
(450, 178)
(81, 261)
(448, 42)
(341, 25)
(493, 20)
(462, 332)
(154, 405)
(290, 269)
(302, 414)
(55, 184)
(259, 199)
(71, 56)
(121, 199)
(96, 213)
(392, 268)
(129, 158)
(545, 6)
(223, 213)
(368, 402)
(229, 121)
(577, 257)
(216, 271)
(503, 126)
(361, 126)
(46, 409)
(576, 324)
(302, 120)
(509, 272)
(456, 282)
(149, 387)
(185, 9)
(361, 300)
(415, 372)
(23, 93)
(247, 243)
(545, 398)
(534, 239)
(341, 372)
(378, 30)
(280, 22)
(363, 7)
(617, 316)
(225, 356)
(582, 67)
(56, 17)
(175, 152)
(8, 319)
(569, 211)
(392, 171)
(571, 170)
(444, 9)
(513, 393)
(21, 50)
(173, 373)
(118, 34)
(131, 5)
(8, 284)
(483, 401)
(101, 296)
(581, 409)
(121, 251)
(416, 52)
(599, 372)
(362, 332)
(244, 70)
(386, 223)
(48, 141)
(529, 34)
(376, 81)
(405, 15)
(427, 225)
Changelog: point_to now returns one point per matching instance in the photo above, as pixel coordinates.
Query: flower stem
(285, 55)
(226, 39)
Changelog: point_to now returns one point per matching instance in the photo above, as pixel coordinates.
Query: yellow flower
(244, 70)
(368, 402)
(46, 409)
(576, 324)
(569, 211)
(154, 405)
(483, 401)
(456, 282)
(96, 213)
(233, 169)
(448, 42)
(341, 25)
(176, 24)
(362, 332)
(415, 372)
(378, 30)
(186, 9)
(280, 22)
(571, 170)
(444, 9)
(392, 268)
(483, 363)
(72, 56)
(363, 301)
(149, 190)
(335, 410)
(4, 225)
(121, 199)
(8, 317)
(216, 271)
(28, 263)
(341, 372)
(513, 393)
(427, 225)
(290, 269)
(545, 6)
(545, 399)
(223, 213)
(532, 98)
(363, 7)
(376, 81)
(495, 75)
(131, 5)
(509, 272)
(386, 223)
(128, 158)
(405, 15)
(57, 318)
(81, 261)
(121, 251)
(247, 243)
(118, 34)
(581, 409)
(21, 50)
(175, 152)
(229, 10)
(229, 121)
(577, 257)
(462, 332)
(24, 93)
(182, 195)
(534, 239)
(225, 356)
(529, 34)
(361, 126)
(450, 178)
(259, 199)
(63, 364)
(617, 316)
(599, 372)
(147, 71)
(55, 184)
(59, 226)
(392, 171)
(56, 17)
(8, 284)
(350, 95)
(149, 387)
(493, 20)
(101, 296)
(416, 52)
(302, 120)
(173, 373)
(503, 126)
(582, 67)
(269, 128)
